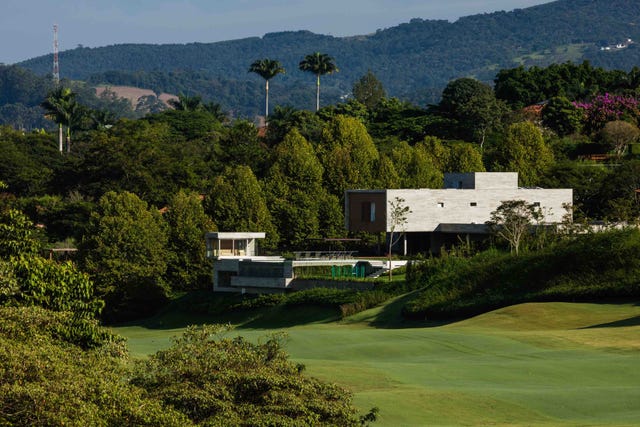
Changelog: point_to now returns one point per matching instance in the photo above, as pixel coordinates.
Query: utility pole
(56, 63)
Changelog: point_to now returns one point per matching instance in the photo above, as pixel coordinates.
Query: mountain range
(414, 60)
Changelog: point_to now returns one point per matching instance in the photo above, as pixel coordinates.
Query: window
(536, 204)
(473, 204)
(441, 204)
(368, 212)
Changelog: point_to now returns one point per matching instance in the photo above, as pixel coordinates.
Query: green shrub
(586, 267)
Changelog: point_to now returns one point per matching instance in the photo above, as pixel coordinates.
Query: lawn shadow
(390, 316)
(632, 321)
(288, 316)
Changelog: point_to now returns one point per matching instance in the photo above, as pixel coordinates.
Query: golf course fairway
(547, 364)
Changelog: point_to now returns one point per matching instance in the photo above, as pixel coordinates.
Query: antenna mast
(56, 63)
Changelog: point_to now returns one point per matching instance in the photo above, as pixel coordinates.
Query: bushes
(588, 267)
(203, 379)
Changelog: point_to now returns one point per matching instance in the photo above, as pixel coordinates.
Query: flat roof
(234, 235)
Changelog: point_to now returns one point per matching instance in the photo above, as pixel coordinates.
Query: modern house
(440, 216)
(237, 267)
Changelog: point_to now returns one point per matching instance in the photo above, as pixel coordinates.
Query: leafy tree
(398, 212)
(523, 150)
(187, 266)
(232, 381)
(17, 234)
(293, 187)
(386, 174)
(369, 90)
(464, 157)
(125, 253)
(46, 380)
(561, 116)
(618, 134)
(319, 64)
(474, 106)
(422, 170)
(616, 198)
(241, 145)
(512, 221)
(267, 69)
(285, 118)
(349, 155)
(236, 202)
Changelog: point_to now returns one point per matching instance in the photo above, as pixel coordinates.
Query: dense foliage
(204, 379)
(588, 267)
(230, 381)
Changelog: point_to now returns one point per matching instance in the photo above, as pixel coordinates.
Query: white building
(462, 207)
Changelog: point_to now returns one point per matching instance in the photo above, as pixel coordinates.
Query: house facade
(237, 267)
(461, 208)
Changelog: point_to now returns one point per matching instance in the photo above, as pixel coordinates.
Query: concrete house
(237, 267)
(439, 216)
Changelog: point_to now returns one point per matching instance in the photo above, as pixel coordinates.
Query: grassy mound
(586, 268)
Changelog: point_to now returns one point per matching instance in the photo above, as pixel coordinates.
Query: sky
(26, 26)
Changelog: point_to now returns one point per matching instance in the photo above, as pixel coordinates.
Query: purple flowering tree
(607, 108)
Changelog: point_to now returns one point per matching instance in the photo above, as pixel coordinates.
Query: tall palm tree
(267, 69)
(318, 64)
(60, 106)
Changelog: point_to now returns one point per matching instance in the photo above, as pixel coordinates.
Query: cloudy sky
(26, 26)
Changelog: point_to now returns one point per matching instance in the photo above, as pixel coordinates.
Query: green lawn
(552, 364)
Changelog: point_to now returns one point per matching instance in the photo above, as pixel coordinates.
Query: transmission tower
(56, 63)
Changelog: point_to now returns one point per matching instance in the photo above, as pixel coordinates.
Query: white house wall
(430, 207)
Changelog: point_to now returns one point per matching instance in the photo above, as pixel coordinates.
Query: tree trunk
(318, 93)
(60, 137)
(266, 108)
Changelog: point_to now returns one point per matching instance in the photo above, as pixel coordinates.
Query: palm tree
(186, 103)
(267, 69)
(318, 64)
(60, 106)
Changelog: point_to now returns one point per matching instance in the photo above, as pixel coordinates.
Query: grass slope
(548, 364)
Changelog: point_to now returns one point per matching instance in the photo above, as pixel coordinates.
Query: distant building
(237, 267)
(440, 216)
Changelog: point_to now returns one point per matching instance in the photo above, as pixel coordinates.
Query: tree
(186, 103)
(318, 64)
(187, 267)
(125, 253)
(523, 150)
(618, 134)
(267, 69)
(46, 380)
(464, 157)
(369, 90)
(512, 221)
(294, 191)
(232, 381)
(398, 212)
(561, 116)
(60, 106)
(349, 155)
(236, 202)
(474, 106)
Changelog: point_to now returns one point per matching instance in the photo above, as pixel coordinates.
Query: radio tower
(56, 64)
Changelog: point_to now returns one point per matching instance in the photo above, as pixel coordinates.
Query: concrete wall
(481, 180)
(430, 208)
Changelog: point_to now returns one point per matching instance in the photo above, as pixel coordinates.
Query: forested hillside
(414, 60)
